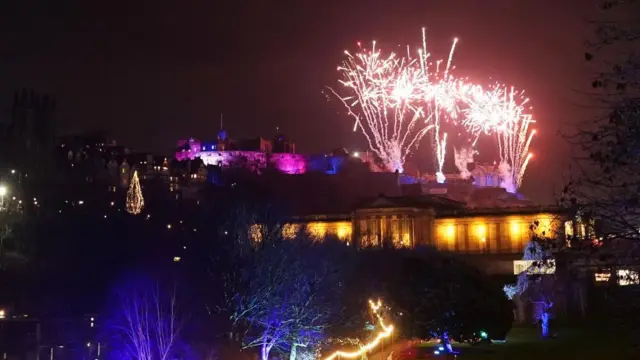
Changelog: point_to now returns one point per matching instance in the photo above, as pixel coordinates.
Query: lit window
(317, 230)
(628, 277)
(343, 232)
(451, 232)
(582, 230)
(255, 232)
(568, 228)
(177, 259)
(289, 231)
(481, 232)
(406, 240)
(520, 266)
(515, 229)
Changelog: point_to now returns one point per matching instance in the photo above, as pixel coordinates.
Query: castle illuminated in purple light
(257, 153)
(280, 153)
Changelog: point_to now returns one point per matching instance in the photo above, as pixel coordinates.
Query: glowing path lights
(386, 332)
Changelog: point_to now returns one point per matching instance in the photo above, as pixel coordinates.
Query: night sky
(150, 72)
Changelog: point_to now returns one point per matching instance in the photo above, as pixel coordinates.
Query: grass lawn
(573, 343)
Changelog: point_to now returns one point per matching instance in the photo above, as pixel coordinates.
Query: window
(505, 238)
(395, 232)
(628, 277)
(492, 238)
(533, 267)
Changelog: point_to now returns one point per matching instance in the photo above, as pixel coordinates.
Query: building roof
(501, 211)
(446, 207)
(435, 202)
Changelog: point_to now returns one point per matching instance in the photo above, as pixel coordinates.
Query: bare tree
(150, 323)
(313, 304)
(287, 297)
(12, 243)
(606, 183)
(5, 233)
(537, 282)
(257, 305)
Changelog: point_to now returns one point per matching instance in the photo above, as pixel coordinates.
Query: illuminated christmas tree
(135, 201)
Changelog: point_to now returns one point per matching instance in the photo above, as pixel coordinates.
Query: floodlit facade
(496, 234)
(430, 220)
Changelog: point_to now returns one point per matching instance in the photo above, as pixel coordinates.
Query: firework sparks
(514, 151)
(489, 111)
(463, 158)
(502, 111)
(396, 100)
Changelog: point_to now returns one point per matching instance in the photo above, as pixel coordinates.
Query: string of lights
(135, 201)
(386, 332)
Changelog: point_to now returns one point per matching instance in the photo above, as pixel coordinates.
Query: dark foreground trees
(293, 295)
(605, 186)
(287, 296)
(606, 182)
(537, 283)
(435, 295)
(240, 282)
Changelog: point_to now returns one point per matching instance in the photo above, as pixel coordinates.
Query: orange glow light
(385, 333)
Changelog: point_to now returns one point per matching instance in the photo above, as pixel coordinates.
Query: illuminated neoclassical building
(409, 221)
(500, 232)
(449, 225)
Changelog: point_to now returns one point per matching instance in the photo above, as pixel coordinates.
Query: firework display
(395, 100)
(398, 99)
(500, 111)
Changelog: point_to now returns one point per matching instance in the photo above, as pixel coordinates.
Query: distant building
(29, 137)
(486, 175)
(490, 225)
(254, 153)
(281, 144)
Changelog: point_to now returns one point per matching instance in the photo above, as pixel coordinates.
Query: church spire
(222, 134)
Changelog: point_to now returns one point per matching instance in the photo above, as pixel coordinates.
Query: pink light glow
(285, 162)
(289, 163)
(227, 158)
(193, 151)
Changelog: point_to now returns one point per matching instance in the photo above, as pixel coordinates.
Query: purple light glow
(285, 162)
(188, 149)
(289, 163)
